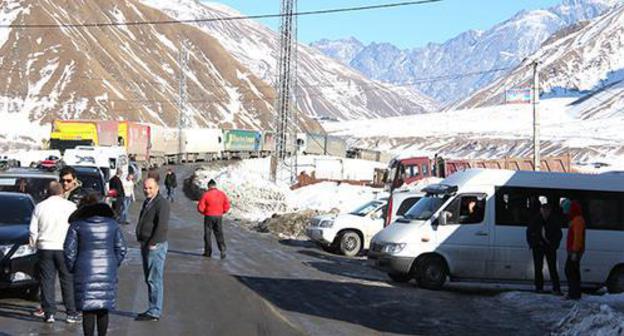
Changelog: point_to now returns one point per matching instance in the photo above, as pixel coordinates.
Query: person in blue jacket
(94, 248)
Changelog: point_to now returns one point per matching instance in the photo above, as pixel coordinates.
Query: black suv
(27, 180)
(17, 259)
(92, 180)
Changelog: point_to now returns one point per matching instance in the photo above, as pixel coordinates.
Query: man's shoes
(573, 298)
(48, 318)
(207, 255)
(539, 291)
(558, 293)
(146, 317)
(222, 255)
(74, 318)
(39, 312)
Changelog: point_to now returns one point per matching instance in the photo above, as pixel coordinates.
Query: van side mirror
(444, 216)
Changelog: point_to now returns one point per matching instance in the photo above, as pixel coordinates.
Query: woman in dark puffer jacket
(94, 249)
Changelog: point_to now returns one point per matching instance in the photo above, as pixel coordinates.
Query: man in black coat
(72, 188)
(151, 233)
(171, 183)
(544, 236)
(116, 185)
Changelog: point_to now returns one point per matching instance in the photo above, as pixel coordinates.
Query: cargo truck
(201, 144)
(321, 144)
(241, 144)
(135, 138)
(68, 134)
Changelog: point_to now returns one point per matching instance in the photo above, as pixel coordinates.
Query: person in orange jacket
(576, 247)
(213, 205)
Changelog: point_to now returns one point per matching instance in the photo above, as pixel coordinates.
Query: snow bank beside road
(255, 197)
(592, 315)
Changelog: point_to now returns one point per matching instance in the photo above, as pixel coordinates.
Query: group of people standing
(544, 234)
(80, 238)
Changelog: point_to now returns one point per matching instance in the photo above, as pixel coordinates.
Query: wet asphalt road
(272, 287)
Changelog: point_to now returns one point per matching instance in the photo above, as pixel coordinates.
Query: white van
(351, 232)
(108, 159)
(440, 239)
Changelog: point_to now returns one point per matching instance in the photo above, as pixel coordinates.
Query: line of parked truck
(154, 145)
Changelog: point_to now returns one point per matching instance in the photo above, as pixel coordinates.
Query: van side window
(467, 209)
(406, 205)
(602, 210)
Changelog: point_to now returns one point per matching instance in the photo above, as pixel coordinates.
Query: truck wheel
(431, 272)
(615, 282)
(32, 293)
(350, 244)
(397, 277)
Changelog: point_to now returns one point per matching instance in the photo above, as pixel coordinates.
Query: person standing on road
(48, 228)
(171, 183)
(151, 233)
(94, 248)
(213, 205)
(72, 188)
(119, 198)
(576, 247)
(128, 186)
(544, 236)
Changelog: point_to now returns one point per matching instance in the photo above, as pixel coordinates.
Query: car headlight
(393, 248)
(326, 223)
(22, 251)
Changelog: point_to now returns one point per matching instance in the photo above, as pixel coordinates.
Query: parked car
(17, 259)
(27, 180)
(351, 233)
(473, 226)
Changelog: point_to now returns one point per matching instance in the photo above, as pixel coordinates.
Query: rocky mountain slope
(587, 63)
(503, 46)
(326, 88)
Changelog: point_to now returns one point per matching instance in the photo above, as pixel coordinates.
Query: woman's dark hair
(89, 199)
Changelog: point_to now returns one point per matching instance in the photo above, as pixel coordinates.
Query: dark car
(17, 259)
(31, 181)
(92, 179)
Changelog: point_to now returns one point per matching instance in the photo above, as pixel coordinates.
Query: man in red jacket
(213, 205)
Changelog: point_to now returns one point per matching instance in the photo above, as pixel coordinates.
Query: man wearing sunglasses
(72, 188)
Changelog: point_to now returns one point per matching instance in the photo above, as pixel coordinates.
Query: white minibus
(472, 226)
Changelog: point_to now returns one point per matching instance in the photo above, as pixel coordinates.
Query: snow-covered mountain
(587, 63)
(124, 72)
(503, 46)
(326, 88)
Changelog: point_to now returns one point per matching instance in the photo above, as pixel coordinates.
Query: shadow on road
(186, 253)
(298, 243)
(381, 308)
(18, 312)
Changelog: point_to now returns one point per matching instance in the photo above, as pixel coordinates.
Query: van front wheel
(615, 282)
(432, 272)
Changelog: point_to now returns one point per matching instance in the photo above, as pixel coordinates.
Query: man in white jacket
(48, 228)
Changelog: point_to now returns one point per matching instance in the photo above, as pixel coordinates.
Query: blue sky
(406, 27)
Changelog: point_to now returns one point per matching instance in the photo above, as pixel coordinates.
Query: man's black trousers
(213, 223)
(51, 262)
(538, 263)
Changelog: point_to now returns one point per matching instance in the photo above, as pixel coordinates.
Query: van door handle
(481, 233)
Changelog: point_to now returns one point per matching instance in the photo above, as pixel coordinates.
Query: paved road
(272, 287)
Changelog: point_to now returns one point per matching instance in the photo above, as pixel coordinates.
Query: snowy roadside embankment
(592, 315)
(274, 207)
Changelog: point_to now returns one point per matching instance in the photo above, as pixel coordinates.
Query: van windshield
(426, 207)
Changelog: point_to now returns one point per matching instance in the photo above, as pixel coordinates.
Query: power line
(228, 18)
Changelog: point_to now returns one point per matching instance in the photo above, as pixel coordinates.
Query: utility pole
(285, 86)
(182, 119)
(536, 123)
